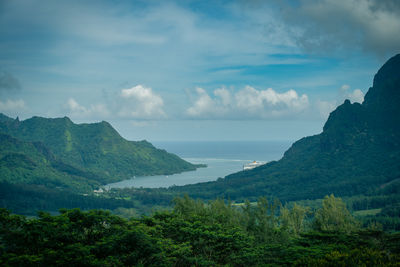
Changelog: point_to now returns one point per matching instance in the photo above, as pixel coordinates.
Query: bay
(222, 158)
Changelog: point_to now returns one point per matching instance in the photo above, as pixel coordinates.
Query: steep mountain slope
(94, 148)
(357, 152)
(23, 162)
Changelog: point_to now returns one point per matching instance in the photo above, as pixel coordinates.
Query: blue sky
(193, 70)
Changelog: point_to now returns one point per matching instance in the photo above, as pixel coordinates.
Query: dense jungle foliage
(28, 199)
(198, 234)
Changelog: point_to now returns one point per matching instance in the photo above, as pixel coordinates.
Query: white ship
(252, 165)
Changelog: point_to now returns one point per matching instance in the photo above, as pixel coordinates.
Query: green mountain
(23, 162)
(358, 152)
(41, 149)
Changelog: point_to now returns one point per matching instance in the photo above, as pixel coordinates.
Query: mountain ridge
(357, 152)
(92, 148)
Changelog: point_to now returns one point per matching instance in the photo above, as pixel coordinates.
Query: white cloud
(224, 95)
(12, 105)
(247, 103)
(253, 100)
(203, 104)
(141, 102)
(74, 107)
(325, 107)
(357, 96)
(206, 106)
(354, 96)
(94, 111)
(138, 102)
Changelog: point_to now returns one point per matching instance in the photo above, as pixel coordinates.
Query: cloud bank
(138, 102)
(141, 102)
(79, 111)
(248, 103)
(12, 106)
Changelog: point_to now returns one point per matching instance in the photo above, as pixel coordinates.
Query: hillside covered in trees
(58, 153)
(358, 152)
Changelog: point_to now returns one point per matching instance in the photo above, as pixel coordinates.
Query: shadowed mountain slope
(357, 152)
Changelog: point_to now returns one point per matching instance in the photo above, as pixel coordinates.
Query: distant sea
(222, 158)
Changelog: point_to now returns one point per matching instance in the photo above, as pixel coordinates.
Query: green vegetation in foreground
(370, 212)
(28, 199)
(198, 234)
(79, 157)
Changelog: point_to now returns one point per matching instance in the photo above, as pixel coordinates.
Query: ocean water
(222, 158)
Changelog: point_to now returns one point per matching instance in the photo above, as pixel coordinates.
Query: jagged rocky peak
(346, 115)
(385, 93)
(389, 71)
(377, 120)
(381, 106)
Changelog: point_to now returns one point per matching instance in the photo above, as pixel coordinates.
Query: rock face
(357, 152)
(384, 96)
(376, 121)
(359, 142)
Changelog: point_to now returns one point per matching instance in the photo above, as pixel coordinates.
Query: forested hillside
(358, 152)
(57, 152)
